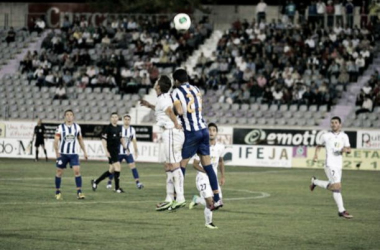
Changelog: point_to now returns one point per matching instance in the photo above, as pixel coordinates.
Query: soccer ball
(182, 22)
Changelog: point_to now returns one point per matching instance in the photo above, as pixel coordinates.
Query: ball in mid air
(182, 22)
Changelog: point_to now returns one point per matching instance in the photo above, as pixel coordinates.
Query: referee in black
(111, 139)
(39, 133)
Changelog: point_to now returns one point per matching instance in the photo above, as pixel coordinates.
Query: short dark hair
(180, 75)
(336, 118)
(114, 113)
(211, 124)
(68, 110)
(127, 115)
(165, 83)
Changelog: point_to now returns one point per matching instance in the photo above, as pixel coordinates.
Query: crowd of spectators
(369, 96)
(285, 63)
(125, 52)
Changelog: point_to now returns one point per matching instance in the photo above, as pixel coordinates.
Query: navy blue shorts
(64, 159)
(128, 158)
(196, 142)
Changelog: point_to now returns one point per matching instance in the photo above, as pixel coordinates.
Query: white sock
(201, 201)
(208, 215)
(178, 184)
(339, 201)
(169, 187)
(322, 184)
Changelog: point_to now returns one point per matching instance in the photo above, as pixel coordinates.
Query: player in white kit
(202, 180)
(336, 143)
(173, 138)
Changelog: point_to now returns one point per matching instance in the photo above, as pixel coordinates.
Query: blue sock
(183, 169)
(78, 181)
(213, 180)
(135, 174)
(57, 182)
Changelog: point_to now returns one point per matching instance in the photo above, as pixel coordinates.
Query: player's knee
(335, 187)
(132, 165)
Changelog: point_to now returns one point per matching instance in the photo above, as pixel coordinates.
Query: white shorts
(334, 174)
(203, 185)
(172, 142)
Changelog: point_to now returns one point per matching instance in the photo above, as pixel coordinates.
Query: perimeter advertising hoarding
(283, 137)
(302, 157)
(368, 139)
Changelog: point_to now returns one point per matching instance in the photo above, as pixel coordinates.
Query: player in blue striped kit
(129, 134)
(188, 105)
(67, 136)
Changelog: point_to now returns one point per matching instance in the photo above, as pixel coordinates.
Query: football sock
(201, 201)
(117, 180)
(57, 182)
(322, 184)
(135, 174)
(213, 181)
(208, 215)
(169, 187)
(183, 169)
(102, 177)
(78, 181)
(110, 179)
(339, 201)
(37, 154)
(178, 184)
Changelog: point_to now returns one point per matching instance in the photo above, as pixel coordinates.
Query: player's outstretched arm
(221, 170)
(82, 146)
(145, 103)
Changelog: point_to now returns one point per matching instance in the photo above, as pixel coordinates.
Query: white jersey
(191, 100)
(216, 152)
(69, 138)
(128, 134)
(164, 101)
(334, 143)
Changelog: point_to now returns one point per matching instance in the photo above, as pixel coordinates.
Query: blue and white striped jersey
(68, 138)
(128, 135)
(191, 100)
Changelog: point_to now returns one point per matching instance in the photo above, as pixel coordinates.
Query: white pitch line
(260, 196)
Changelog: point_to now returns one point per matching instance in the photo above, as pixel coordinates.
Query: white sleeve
(133, 133)
(346, 141)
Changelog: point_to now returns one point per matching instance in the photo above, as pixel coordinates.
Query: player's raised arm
(147, 104)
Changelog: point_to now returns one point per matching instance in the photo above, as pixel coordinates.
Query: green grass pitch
(265, 208)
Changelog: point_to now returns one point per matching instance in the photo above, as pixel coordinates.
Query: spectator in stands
(344, 78)
(338, 13)
(277, 95)
(60, 93)
(106, 41)
(312, 13)
(11, 36)
(39, 25)
(66, 25)
(267, 96)
(330, 14)
(364, 12)
(349, 7)
(321, 11)
(261, 9)
(39, 74)
(366, 107)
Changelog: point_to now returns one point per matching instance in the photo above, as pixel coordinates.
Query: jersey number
(190, 109)
(203, 187)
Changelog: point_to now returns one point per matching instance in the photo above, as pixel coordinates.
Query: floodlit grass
(291, 217)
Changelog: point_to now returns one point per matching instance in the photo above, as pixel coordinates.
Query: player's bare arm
(346, 150)
(317, 149)
(104, 142)
(197, 166)
(81, 143)
(178, 107)
(123, 143)
(169, 112)
(147, 104)
(56, 141)
(134, 141)
(221, 170)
